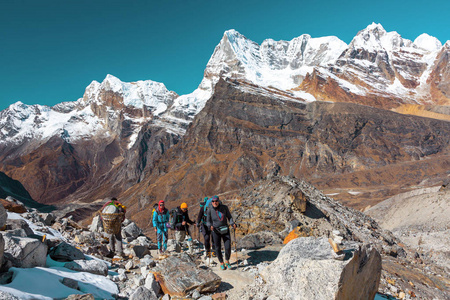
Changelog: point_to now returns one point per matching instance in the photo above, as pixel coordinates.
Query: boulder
(151, 284)
(70, 283)
(85, 237)
(141, 293)
(12, 205)
(96, 225)
(173, 246)
(17, 224)
(131, 230)
(90, 266)
(179, 275)
(139, 251)
(306, 269)
(25, 252)
(66, 252)
(259, 240)
(47, 218)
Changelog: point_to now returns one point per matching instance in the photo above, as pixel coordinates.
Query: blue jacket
(160, 219)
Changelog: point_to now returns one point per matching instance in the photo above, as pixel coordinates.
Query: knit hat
(183, 205)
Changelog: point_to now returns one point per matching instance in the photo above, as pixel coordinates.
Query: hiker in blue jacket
(217, 219)
(160, 221)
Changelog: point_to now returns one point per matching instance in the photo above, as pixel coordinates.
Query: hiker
(217, 219)
(205, 230)
(181, 222)
(161, 224)
(111, 217)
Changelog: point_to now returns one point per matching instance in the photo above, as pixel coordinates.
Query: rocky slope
(421, 219)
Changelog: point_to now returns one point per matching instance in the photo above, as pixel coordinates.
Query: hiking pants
(115, 242)
(217, 238)
(161, 237)
(207, 237)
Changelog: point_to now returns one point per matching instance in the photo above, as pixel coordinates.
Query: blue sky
(50, 50)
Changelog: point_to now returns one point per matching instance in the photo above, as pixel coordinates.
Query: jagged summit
(136, 94)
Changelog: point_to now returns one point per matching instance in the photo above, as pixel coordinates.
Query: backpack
(205, 208)
(155, 207)
(173, 213)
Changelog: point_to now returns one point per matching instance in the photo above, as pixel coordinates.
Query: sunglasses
(161, 204)
(215, 201)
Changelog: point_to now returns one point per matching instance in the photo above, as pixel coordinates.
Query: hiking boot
(213, 254)
(223, 267)
(227, 265)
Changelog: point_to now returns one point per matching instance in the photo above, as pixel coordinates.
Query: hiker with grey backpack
(217, 219)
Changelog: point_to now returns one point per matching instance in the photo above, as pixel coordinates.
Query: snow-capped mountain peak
(427, 42)
(134, 94)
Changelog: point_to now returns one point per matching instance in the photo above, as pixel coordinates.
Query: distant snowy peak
(21, 122)
(134, 94)
(375, 37)
(427, 42)
(279, 64)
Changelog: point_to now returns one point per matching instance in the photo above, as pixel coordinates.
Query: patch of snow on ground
(46, 283)
(354, 193)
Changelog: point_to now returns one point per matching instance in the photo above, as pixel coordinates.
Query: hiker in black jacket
(217, 219)
(181, 222)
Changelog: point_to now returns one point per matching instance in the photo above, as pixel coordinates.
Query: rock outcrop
(25, 252)
(305, 269)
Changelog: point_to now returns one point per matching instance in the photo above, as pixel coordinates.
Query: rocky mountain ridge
(112, 138)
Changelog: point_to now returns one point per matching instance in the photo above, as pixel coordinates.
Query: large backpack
(173, 214)
(206, 205)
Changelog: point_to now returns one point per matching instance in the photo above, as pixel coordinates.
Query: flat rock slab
(179, 275)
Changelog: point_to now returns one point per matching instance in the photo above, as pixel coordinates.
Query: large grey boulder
(178, 276)
(66, 252)
(25, 252)
(142, 293)
(131, 231)
(306, 269)
(90, 266)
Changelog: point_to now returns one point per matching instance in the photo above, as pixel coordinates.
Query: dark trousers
(217, 238)
(207, 237)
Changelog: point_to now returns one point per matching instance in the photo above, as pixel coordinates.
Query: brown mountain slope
(242, 137)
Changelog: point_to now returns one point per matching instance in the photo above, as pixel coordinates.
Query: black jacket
(179, 217)
(219, 216)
